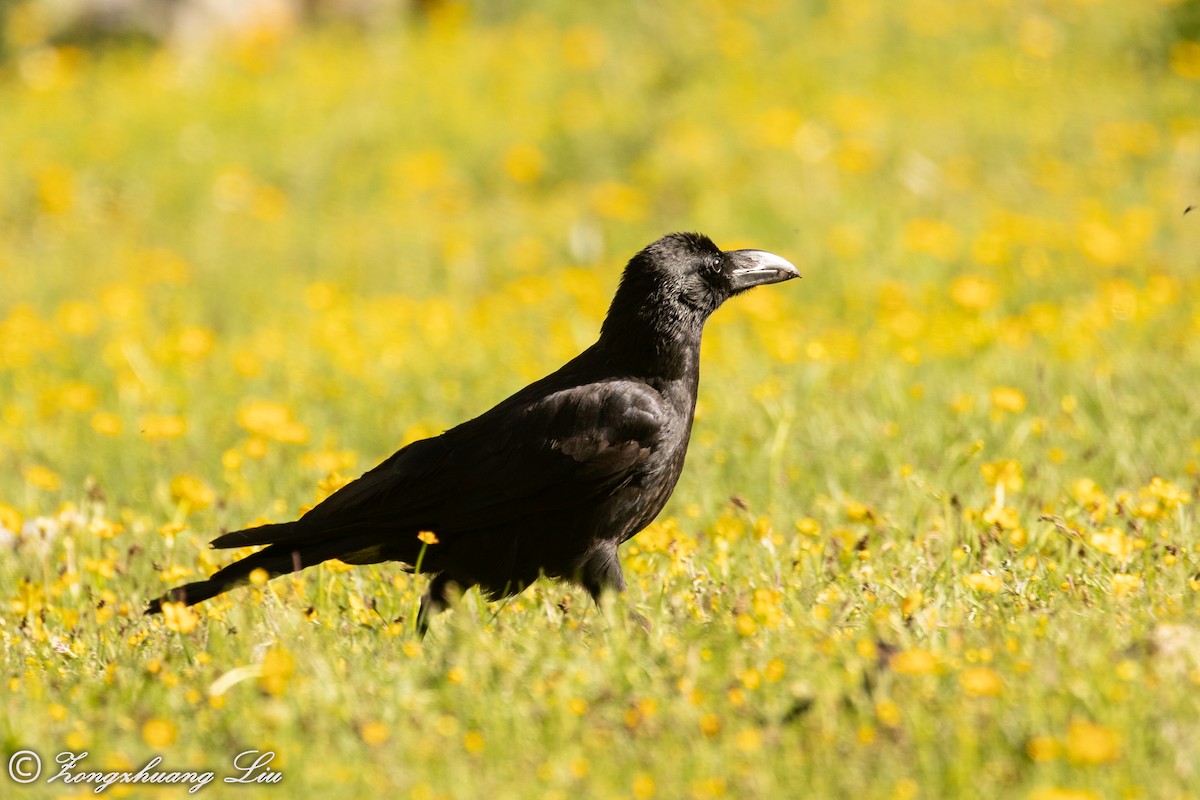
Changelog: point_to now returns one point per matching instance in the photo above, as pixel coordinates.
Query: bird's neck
(657, 356)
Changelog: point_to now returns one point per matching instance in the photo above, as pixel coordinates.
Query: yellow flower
(658, 536)
(107, 424)
(981, 682)
(913, 662)
(524, 163)
(1125, 584)
(1112, 541)
(776, 127)
(179, 617)
(256, 447)
(192, 492)
(912, 601)
(983, 582)
(620, 202)
(42, 478)
(9, 518)
(858, 512)
(1007, 399)
(329, 462)
(748, 740)
(1088, 494)
(195, 342)
(78, 317)
(159, 733)
(162, 426)
(276, 671)
(1005, 472)
(1167, 494)
(56, 189)
(889, 713)
(1043, 748)
(751, 679)
(104, 528)
(746, 626)
(473, 742)
(973, 292)
(1103, 243)
(1056, 793)
(808, 526)
(1089, 743)
(643, 786)
(77, 396)
(428, 537)
(174, 573)
(422, 170)
(374, 733)
(1185, 59)
(857, 155)
(271, 420)
(1005, 518)
(767, 607)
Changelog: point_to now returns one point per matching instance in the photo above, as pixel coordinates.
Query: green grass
(962, 560)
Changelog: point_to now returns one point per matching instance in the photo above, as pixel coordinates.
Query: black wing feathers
(552, 454)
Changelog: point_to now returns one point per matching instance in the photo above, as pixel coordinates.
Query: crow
(552, 480)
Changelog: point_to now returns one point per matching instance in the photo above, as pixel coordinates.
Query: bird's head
(675, 283)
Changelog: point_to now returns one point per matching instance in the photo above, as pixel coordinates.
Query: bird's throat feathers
(652, 319)
(652, 338)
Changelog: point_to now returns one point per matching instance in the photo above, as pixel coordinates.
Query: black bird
(551, 480)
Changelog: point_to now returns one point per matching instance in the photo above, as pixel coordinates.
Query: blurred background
(367, 220)
(937, 530)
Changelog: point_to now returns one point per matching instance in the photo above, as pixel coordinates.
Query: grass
(937, 535)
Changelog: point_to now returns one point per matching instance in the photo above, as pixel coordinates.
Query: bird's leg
(434, 601)
(601, 572)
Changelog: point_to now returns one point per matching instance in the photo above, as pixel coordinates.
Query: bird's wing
(555, 452)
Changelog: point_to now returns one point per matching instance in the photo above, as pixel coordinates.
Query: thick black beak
(757, 267)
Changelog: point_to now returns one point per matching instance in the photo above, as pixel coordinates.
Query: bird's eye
(714, 264)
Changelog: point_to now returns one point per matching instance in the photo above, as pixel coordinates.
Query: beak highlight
(758, 267)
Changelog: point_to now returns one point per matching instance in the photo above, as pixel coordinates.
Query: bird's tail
(292, 546)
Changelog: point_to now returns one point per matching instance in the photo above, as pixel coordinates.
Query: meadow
(937, 535)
